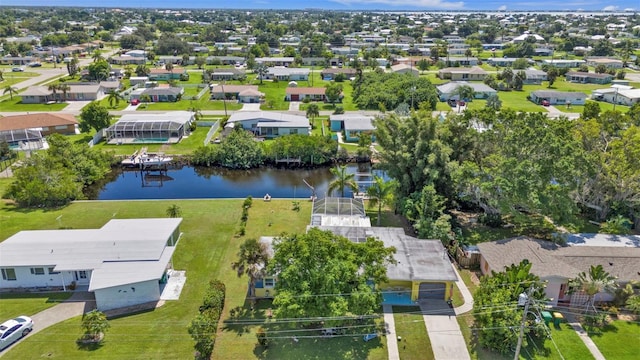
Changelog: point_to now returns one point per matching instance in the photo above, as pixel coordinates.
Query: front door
(81, 277)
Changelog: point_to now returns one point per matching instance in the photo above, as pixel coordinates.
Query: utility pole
(527, 301)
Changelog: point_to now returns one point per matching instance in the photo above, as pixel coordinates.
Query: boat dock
(147, 161)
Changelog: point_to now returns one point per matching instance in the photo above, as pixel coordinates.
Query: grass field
(203, 104)
(205, 252)
(415, 343)
(619, 340)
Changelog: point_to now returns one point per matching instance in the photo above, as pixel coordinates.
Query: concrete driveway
(250, 107)
(444, 332)
(79, 303)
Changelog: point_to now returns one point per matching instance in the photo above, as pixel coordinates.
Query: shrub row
(203, 327)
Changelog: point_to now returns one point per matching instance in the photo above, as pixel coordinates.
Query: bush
(203, 327)
(490, 220)
(248, 202)
(261, 335)
(339, 110)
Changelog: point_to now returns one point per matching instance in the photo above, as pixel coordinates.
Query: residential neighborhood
(348, 180)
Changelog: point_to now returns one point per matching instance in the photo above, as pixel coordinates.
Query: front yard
(410, 326)
(15, 104)
(619, 340)
(12, 304)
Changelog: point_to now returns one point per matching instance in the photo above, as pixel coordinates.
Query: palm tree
(114, 97)
(64, 88)
(312, 111)
(97, 56)
(252, 261)
(593, 283)
(174, 211)
(53, 88)
(142, 70)
(11, 90)
(343, 180)
(380, 193)
(169, 67)
(262, 71)
(464, 92)
(94, 323)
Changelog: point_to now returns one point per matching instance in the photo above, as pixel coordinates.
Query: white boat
(145, 160)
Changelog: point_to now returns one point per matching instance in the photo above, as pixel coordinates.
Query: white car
(14, 329)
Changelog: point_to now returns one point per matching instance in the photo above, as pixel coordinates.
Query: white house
(123, 263)
(480, 90)
(617, 94)
(271, 124)
(288, 74)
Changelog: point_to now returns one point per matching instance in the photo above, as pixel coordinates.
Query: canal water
(200, 183)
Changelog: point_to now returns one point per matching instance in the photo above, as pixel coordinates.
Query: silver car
(14, 329)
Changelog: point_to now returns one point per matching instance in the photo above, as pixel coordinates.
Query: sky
(488, 5)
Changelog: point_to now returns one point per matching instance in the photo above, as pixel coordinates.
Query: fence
(200, 94)
(212, 131)
(96, 138)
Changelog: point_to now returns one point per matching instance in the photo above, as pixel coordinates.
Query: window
(9, 274)
(82, 274)
(51, 272)
(269, 282)
(37, 271)
(293, 131)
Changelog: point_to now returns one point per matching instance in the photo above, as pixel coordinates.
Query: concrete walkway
(390, 325)
(444, 332)
(79, 303)
(466, 294)
(582, 333)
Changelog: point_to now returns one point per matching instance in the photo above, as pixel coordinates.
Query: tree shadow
(253, 313)
(86, 345)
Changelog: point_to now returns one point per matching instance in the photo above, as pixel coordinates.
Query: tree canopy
(392, 89)
(94, 116)
(321, 274)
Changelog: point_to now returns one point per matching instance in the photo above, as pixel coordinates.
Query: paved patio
(173, 288)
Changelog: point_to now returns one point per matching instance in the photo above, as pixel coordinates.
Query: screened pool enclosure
(150, 128)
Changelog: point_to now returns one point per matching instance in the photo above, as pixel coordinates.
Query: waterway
(202, 183)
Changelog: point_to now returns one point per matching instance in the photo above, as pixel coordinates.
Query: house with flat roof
(124, 263)
(562, 63)
(617, 94)
(474, 73)
(608, 62)
(221, 74)
(354, 126)
(287, 74)
(164, 74)
(534, 76)
(271, 124)
(588, 78)
(331, 73)
(558, 97)
(158, 94)
(480, 90)
(619, 255)
(76, 92)
(275, 61)
(422, 270)
(405, 69)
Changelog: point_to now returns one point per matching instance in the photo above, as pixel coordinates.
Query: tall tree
(343, 180)
(261, 70)
(333, 90)
(380, 193)
(94, 116)
(596, 281)
(494, 313)
(320, 262)
(64, 88)
(253, 259)
(53, 87)
(464, 92)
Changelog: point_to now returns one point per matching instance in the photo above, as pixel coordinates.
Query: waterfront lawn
(205, 251)
(619, 340)
(16, 304)
(186, 146)
(415, 343)
(16, 104)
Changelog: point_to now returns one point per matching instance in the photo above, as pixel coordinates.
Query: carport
(429, 290)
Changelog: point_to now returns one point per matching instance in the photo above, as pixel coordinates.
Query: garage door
(432, 291)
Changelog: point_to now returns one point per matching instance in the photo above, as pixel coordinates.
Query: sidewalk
(466, 294)
(390, 325)
(587, 341)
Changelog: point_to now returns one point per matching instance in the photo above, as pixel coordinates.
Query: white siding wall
(24, 278)
(553, 290)
(123, 296)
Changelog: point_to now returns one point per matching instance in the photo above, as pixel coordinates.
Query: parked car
(14, 329)
(34, 64)
(545, 103)
(17, 69)
(452, 102)
(135, 101)
(461, 103)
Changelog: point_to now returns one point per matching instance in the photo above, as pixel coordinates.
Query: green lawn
(12, 304)
(205, 251)
(415, 343)
(12, 78)
(619, 340)
(122, 104)
(274, 93)
(17, 105)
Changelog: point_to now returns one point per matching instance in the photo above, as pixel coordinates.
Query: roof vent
(610, 264)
